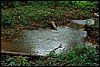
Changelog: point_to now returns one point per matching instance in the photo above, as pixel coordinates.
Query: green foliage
(7, 19)
(79, 56)
(84, 56)
(86, 5)
(19, 61)
(12, 4)
(6, 4)
(70, 4)
(24, 12)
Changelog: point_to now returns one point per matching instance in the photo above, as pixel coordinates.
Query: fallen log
(19, 53)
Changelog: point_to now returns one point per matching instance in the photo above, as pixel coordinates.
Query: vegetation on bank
(25, 12)
(78, 56)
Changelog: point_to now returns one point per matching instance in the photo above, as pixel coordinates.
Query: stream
(43, 41)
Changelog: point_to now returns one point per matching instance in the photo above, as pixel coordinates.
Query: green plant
(26, 14)
(7, 19)
(78, 56)
(86, 4)
(19, 61)
(37, 11)
(84, 56)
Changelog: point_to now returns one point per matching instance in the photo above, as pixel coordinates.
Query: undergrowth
(78, 56)
(15, 13)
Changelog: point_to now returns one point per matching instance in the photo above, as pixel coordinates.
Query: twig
(18, 53)
(83, 60)
(64, 64)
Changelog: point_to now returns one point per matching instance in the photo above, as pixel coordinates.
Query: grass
(26, 14)
(78, 56)
(37, 11)
(15, 61)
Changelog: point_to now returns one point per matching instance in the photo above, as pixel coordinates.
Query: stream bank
(22, 38)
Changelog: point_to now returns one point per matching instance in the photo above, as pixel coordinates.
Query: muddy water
(42, 41)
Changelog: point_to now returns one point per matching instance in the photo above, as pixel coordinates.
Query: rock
(84, 22)
(82, 33)
(96, 15)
